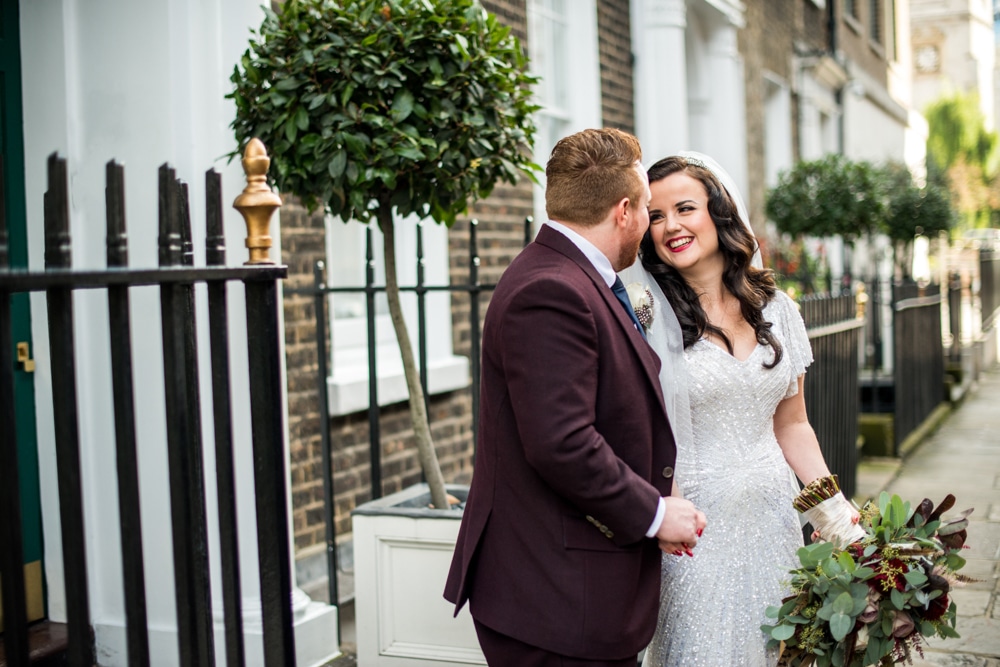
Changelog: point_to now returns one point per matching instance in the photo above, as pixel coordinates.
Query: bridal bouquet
(871, 602)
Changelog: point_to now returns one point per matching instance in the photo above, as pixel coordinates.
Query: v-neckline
(724, 351)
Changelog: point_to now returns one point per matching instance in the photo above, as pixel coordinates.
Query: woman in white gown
(734, 351)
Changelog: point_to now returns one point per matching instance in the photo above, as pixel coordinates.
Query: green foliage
(957, 130)
(417, 105)
(832, 196)
(915, 210)
(874, 601)
(837, 197)
(964, 156)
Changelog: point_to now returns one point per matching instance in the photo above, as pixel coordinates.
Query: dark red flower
(890, 575)
(937, 607)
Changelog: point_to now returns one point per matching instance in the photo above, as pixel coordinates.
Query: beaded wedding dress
(712, 605)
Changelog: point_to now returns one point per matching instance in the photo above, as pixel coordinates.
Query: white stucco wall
(144, 83)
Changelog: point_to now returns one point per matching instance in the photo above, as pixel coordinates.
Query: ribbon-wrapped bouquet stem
(872, 591)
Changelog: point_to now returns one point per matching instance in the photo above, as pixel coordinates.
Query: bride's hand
(675, 549)
(682, 524)
(855, 518)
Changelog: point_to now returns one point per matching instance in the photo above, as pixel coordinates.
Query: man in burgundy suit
(558, 551)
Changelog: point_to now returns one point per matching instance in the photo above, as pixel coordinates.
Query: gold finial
(257, 203)
(860, 301)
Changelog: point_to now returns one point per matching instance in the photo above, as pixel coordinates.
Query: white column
(660, 76)
(727, 139)
(143, 83)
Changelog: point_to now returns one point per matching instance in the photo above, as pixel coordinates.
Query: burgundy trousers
(503, 651)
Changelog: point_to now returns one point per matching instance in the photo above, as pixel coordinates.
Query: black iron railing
(918, 355)
(989, 286)
(370, 289)
(831, 383)
(955, 316)
(177, 279)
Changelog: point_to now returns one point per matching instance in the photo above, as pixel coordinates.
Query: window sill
(347, 390)
(853, 23)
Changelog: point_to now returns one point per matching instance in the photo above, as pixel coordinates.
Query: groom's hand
(682, 524)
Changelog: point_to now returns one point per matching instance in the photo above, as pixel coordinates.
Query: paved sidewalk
(962, 458)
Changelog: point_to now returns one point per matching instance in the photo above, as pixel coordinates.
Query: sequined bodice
(732, 402)
(712, 605)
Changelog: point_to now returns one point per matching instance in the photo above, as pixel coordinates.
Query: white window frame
(573, 64)
(347, 385)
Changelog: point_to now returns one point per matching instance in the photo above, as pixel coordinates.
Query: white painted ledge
(347, 389)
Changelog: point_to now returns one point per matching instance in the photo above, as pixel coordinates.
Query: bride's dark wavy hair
(752, 287)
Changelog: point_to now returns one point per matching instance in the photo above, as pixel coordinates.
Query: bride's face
(681, 228)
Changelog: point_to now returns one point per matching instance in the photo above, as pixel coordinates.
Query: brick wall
(511, 13)
(615, 45)
(303, 243)
(766, 46)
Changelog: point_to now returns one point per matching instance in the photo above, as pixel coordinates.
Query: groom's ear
(622, 211)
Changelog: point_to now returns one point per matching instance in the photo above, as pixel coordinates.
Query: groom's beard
(628, 252)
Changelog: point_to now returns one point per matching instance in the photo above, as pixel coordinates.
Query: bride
(734, 351)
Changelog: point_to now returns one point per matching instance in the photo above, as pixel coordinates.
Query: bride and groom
(580, 544)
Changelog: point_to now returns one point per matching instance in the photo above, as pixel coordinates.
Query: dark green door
(12, 145)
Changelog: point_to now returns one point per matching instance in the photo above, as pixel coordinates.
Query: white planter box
(402, 552)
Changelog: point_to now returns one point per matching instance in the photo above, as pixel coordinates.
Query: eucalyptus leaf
(915, 578)
(843, 604)
(846, 562)
(873, 652)
(840, 625)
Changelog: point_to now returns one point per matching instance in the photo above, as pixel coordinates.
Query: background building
(954, 51)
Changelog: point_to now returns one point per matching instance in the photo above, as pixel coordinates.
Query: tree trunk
(418, 406)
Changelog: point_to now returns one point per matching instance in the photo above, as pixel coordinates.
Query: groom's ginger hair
(589, 172)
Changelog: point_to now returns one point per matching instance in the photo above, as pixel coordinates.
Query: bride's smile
(681, 226)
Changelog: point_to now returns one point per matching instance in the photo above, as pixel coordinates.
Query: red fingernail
(689, 553)
(700, 531)
(678, 553)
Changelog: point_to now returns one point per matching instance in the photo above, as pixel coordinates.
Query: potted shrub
(374, 109)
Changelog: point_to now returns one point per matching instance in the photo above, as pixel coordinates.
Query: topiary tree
(832, 196)
(374, 109)
(913, 210)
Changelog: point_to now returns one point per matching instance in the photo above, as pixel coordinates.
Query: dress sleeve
(793, 338)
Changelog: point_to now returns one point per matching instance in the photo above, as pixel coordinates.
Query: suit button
(668, 472)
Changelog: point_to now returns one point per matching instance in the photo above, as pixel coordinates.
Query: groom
(557, 553)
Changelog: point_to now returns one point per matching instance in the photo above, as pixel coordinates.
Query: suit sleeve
(551, 364)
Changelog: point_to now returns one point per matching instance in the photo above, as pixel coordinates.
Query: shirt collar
(589, 250)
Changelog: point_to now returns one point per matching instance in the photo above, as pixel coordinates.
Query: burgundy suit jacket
(573, 454)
